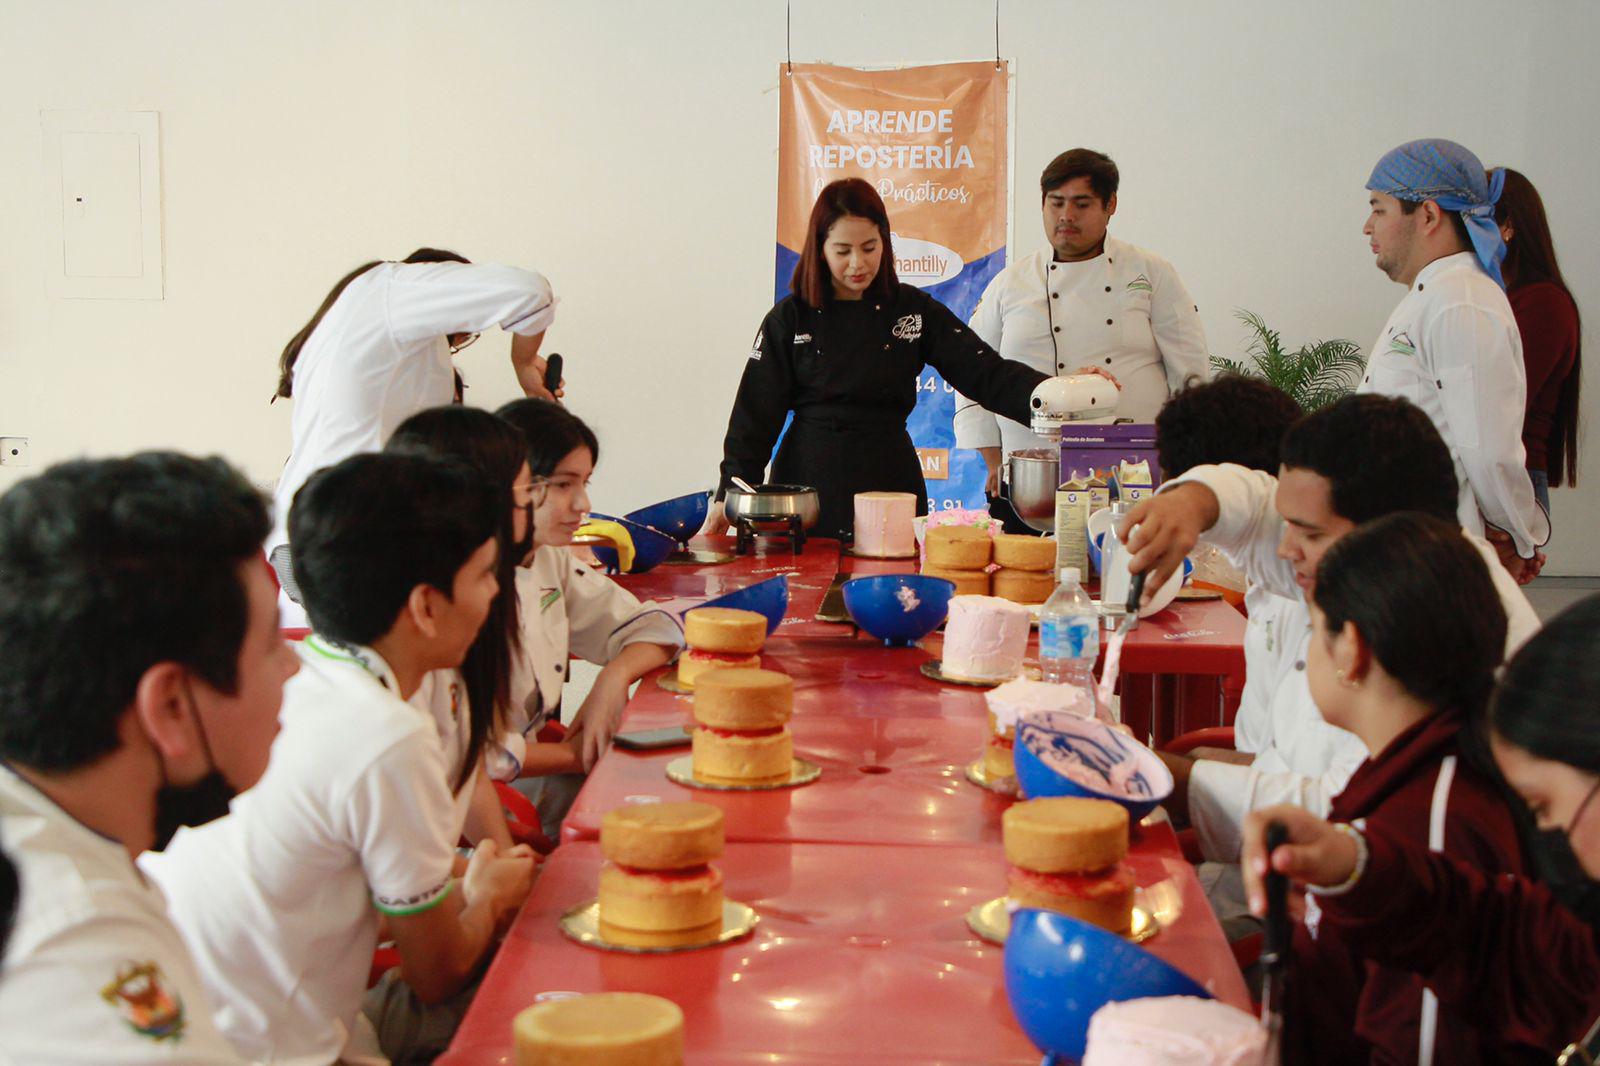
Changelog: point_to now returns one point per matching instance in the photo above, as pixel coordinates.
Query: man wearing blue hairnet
(1452, 346)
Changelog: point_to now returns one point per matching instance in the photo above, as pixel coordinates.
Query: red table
(810, 573)
(862, 956)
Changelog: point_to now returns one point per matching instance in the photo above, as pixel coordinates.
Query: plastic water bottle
(1069, 635)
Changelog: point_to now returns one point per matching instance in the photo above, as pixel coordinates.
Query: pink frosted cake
(1007, 704)
(1174, 1031)
(883, 524)
(985, 638)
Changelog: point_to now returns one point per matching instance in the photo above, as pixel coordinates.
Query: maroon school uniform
(1497, 948)
(1348, 1009)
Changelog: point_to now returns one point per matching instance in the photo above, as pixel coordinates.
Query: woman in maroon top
(1407, 631)
(1497, 948)
(1548, 319)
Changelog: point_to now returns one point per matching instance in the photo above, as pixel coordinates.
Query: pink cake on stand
(1174, 1031)
(883, 524)
(985, 638)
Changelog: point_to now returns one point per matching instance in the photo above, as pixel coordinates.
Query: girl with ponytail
(1407, 632)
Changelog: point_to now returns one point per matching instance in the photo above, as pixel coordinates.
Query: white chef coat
(568, 608)
(1126, 311)
(1301, 759)
(278, 901)
(1452, 347)
(443, 695)
(95, 971)
(380, 355)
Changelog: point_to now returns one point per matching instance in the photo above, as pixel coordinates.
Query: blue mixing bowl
(1059, 971)
(770, 598)
(650, 546)
(898, 609)
(679, 518)
(1045, 737)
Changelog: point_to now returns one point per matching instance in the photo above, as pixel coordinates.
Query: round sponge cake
(727, 757)
(1018, 551)
(967, 582)
(958, 548)
(725, 629)
(743, 699)
(662, 836)
(1062, 834)
(1104, 899)
(603, 1029)
(660, 900)
(1023, 586)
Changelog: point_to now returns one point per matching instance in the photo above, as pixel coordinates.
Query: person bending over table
(1500, 949)
(842, 353)
(1336, 473)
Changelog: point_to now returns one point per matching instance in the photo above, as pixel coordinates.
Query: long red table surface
(809, 573)
(861, 956)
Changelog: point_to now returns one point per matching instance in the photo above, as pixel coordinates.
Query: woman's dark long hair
(550, 433)
(291, 351)
(1424, 602)
(813, 281)
(1531, 258)
(494, 449)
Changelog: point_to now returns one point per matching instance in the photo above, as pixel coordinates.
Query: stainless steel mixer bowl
(1032, 477)
(773, 501)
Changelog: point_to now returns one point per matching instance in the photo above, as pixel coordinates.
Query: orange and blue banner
(932, 141)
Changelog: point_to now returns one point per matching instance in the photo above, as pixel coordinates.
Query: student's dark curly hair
(1380, 454)
(1233, 419)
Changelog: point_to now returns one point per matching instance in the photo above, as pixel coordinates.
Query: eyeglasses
(531, 493)
(465, 342)
(1584, 806)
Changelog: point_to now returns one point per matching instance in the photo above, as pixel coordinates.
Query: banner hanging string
(997, 34)
(788, 47)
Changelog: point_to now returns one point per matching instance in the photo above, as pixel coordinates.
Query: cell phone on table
(653, 739)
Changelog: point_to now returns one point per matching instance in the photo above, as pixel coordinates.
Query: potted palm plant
(1314, 376)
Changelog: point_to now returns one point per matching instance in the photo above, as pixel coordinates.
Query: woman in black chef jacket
(843, 352)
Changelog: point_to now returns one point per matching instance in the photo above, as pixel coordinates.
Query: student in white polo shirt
(139, 688)
(379, 349)
(281, 901)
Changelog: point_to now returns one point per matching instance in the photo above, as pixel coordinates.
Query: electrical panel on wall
(103, 204)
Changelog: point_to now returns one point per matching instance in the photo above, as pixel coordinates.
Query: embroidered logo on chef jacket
(1140, 284)
(1401, 345)
(755, 350)
(140, 994)
(802, 338)
(548, 600)
(909, 328)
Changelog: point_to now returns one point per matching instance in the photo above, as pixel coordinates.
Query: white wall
(628, 151)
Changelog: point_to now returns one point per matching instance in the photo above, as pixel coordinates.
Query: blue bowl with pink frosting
(1063, 754)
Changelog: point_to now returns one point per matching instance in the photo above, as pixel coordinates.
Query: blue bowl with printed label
(1060, 970)
(650, 547)
(769, 598)
(679, 518)
(898, 609)
(1048, 742)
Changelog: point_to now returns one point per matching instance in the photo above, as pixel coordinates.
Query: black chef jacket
(849, 372)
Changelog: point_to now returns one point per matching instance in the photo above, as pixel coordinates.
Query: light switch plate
(13, 451)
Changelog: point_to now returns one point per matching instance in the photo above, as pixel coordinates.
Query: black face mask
(180, 805)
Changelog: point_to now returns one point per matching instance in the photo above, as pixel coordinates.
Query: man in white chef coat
(1452, 346)
(1087, 303)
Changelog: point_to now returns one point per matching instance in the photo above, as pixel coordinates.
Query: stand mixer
(1032, 475)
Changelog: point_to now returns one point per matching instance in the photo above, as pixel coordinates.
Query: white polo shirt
(94, 972)
(1125, 311)
(568, 608)
(279, 901)
(1452, 347)
(1299, 757)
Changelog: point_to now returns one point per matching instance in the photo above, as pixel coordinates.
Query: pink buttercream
(1015, 698)
(985, 638)
(1173, 1031)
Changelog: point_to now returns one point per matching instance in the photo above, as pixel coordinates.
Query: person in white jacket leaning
(1087, 303)
(1452, 346)
(1336, 473)
(379, 349)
